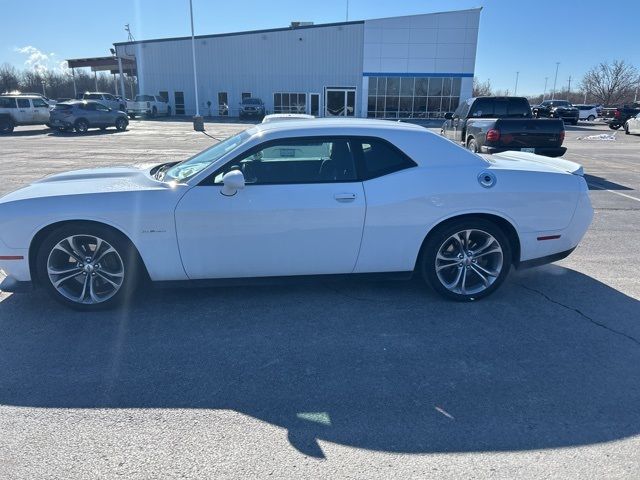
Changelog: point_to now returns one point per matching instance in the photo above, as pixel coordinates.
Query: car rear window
(92, 96)
(62, 106)
(7, 102)
(500, 107)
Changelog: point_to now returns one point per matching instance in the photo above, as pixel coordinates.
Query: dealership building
(416, 66)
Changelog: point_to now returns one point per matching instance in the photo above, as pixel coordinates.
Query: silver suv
(81, 115)
(16, 110)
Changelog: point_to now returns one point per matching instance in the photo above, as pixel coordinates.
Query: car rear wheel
(466, 259)
(132, 116)
(88, 267)
(591, 118)
(121, 124)
(472, 145)
(6, 126)
(614, 126)
(626, 128)
(81, 126)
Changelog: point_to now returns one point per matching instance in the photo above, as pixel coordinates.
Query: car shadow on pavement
(599, 183)
(549, 361)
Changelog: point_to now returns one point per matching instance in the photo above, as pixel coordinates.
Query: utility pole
(544, 92)
(515, 90)
(198, 123)
(555, 80)
(569, 88)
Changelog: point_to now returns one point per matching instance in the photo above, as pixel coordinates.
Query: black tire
(168, 111)
(62, 129)
(6, 126)
(442, 235)
(591, 118)
(472, 145)
(121, 124)
(81, 126)
(131, 264)
(614, 126)
(626, 128)
(132, 116)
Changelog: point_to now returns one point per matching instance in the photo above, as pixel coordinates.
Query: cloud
(39, 61)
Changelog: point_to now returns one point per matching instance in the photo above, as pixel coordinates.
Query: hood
(534, 163)
(79, 182)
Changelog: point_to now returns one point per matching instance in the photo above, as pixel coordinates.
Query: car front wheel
(466, 259)
(121, 124)
(88, 267)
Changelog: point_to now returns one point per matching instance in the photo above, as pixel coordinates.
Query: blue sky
(528, 36)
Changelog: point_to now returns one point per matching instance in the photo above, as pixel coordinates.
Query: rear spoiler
(561, 164)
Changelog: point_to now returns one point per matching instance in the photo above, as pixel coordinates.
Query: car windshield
(144, 98)
(187, 169)
(251, 101)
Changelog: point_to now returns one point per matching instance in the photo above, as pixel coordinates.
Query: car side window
(39, 103)
(109, 97)
(24, 103)
(381, 158)
(101, 108)
(89, 106)
(291, 161)
(7, 103)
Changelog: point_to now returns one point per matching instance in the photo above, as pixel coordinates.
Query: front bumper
(251, 113)
(15, 263)
(546, 151)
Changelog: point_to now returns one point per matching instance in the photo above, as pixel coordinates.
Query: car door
(301, 213)
(24, 113)
(40, 110)
(104, 115)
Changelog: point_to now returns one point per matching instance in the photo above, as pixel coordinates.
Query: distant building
(417, 66)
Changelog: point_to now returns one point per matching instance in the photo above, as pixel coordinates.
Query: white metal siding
(298, 61)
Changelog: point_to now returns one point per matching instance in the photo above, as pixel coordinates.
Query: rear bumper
(546, 151)
(536, 262)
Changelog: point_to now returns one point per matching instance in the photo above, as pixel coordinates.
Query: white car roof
(330, 125)
(274, 117)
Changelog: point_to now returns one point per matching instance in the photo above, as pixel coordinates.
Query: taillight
(493, 135)
(616, 114)
(562, 134)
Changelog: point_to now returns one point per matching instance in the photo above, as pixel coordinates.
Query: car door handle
(345, 197)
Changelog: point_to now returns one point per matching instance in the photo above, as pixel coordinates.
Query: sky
(526, 36)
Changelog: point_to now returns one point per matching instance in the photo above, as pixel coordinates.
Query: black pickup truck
(617, 116)
(498, 124)
(557, 109)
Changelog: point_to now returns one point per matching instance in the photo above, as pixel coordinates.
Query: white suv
(16, 110)
(106, 99)
(587, 112)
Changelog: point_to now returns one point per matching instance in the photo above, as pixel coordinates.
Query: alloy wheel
(85, 269)
(469, 262)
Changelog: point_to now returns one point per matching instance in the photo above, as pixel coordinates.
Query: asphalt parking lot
(331, 380)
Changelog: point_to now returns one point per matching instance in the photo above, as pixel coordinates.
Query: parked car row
(77, 115)
(617, 117)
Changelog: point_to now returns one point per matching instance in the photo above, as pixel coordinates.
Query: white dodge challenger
(283, 199)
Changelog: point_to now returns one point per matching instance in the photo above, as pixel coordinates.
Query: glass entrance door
(340, 102)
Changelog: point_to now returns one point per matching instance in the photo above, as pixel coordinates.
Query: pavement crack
(582, 314)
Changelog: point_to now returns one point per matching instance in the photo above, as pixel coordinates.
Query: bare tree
(611, 84)
(9, 78)
(481, 89)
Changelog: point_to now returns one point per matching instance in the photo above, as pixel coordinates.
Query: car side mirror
(232, 182)
(448, 115)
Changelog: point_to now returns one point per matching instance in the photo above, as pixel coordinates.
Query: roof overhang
(102, 64)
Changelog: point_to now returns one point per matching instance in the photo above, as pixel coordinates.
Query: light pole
(515, 90)
(198, 123)
(544, 92)
(553, 92)
(43, 90)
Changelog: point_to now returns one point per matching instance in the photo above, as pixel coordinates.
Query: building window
(412, 97)
(178, 98)
(289, 103)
